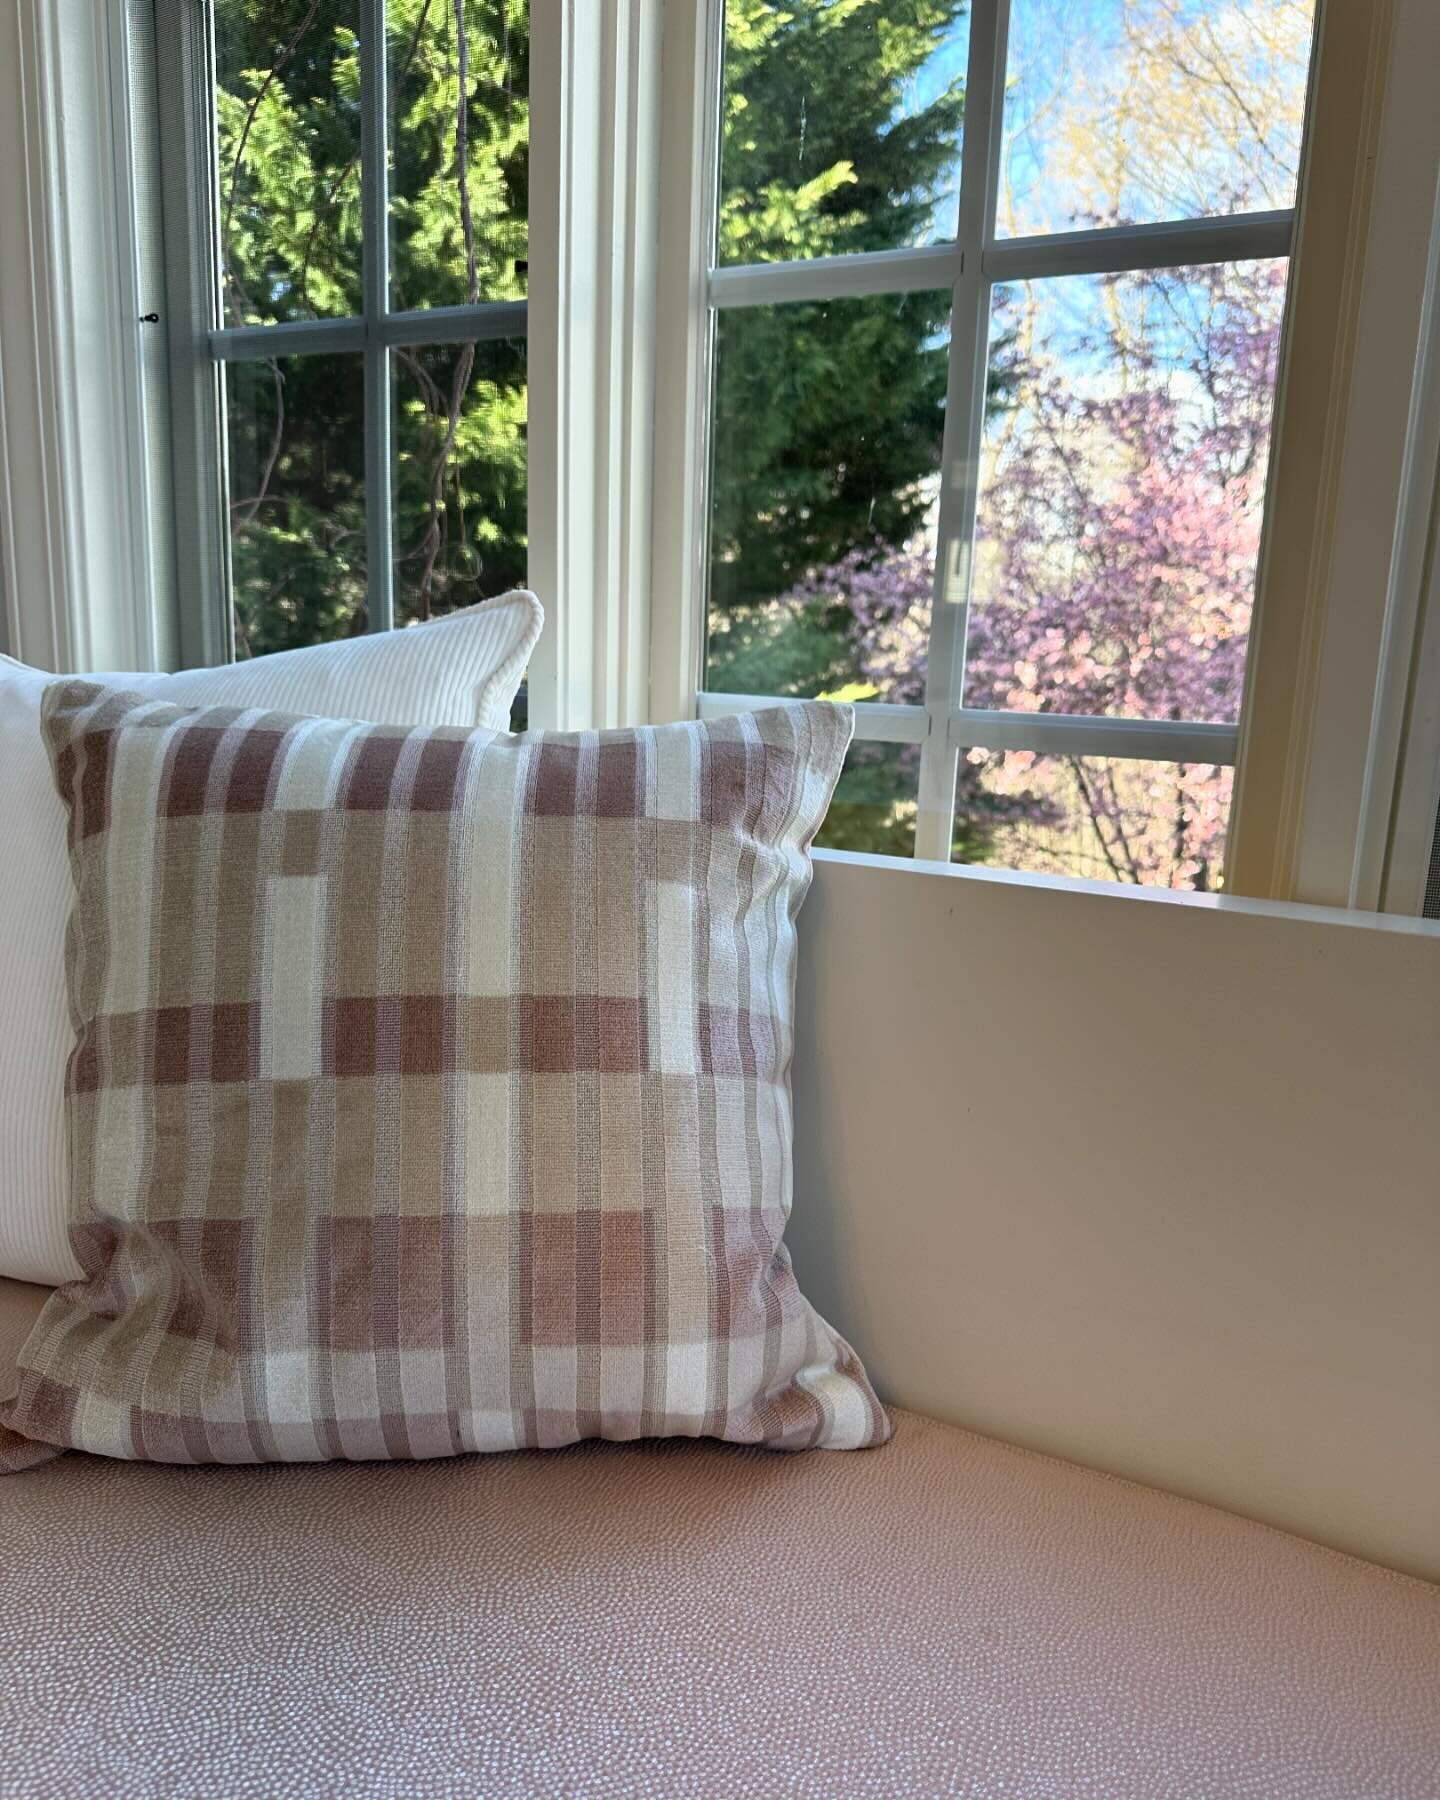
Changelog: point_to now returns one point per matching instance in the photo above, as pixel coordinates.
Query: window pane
(827, 429)
(297, 501)
(1131, 111)
(875, 801)
(460, 482)
(842, 126)
(1108, 818)
(1122, 481)
(460, 133)
(287, 107)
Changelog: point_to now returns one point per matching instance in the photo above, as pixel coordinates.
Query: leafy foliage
(828, 417)
(288, 121)
(1124, 469)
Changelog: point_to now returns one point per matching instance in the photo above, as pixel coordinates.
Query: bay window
(922, 354)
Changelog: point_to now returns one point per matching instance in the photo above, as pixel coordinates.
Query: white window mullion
(1046, 733)
(375, 287)
(1106, 250)
(485, 322)
(594, 173)
(1083, 734)
(684, 338)
(189, 207)
(964, 427)
(1123, 249)
(1397, 826)
(594, 149)
(296, 337)
(849, 277)
(876, 721)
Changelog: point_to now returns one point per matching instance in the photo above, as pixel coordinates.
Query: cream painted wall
(1144, 1180)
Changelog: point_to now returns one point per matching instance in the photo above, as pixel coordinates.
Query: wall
(1145, 1180)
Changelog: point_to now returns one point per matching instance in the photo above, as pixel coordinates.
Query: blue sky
(1045, 37)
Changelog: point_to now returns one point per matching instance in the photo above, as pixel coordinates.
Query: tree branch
(252, 111)
(242, 513)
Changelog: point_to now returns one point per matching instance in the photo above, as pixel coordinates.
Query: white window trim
(1412, 852)
(1385, 506)
(689, 150)
(73, 495)
(1399, 821)
(1338, 613)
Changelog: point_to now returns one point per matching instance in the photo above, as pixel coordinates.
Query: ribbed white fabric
(463, 669)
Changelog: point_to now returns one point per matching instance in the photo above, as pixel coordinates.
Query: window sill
(1231, 905)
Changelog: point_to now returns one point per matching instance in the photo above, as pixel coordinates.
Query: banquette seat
(948, 1615)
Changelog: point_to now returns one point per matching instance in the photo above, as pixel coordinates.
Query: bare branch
(242, 513)
(252, 111)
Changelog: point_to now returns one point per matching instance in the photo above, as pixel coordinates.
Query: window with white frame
(987, 296)
(346, 206)
(996, 293)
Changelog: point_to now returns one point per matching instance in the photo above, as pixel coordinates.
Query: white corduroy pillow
(463, 669)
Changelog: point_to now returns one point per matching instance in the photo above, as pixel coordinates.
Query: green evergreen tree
(828, 416)
(288, 127)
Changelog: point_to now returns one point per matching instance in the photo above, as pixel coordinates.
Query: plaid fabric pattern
(431, 1089)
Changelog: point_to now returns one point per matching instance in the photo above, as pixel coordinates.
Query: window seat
(945, 1615)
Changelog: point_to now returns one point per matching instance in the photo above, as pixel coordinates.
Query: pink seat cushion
(946, 1615)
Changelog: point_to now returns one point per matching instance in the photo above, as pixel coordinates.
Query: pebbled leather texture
(947, 1616)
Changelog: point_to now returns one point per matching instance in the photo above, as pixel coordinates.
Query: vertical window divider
(964, 426)
(375, 284)
(690, 131)
(189, 215)
(595, 185)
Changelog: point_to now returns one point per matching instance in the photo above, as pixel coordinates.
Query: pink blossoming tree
(1115, 565)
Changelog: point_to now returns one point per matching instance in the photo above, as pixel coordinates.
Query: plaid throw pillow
(431, 1089)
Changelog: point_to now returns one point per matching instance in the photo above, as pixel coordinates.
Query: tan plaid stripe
(431, 1088)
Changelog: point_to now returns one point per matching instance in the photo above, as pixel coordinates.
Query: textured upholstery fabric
(431, 1088)
(463, 669)
(667, 1620)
